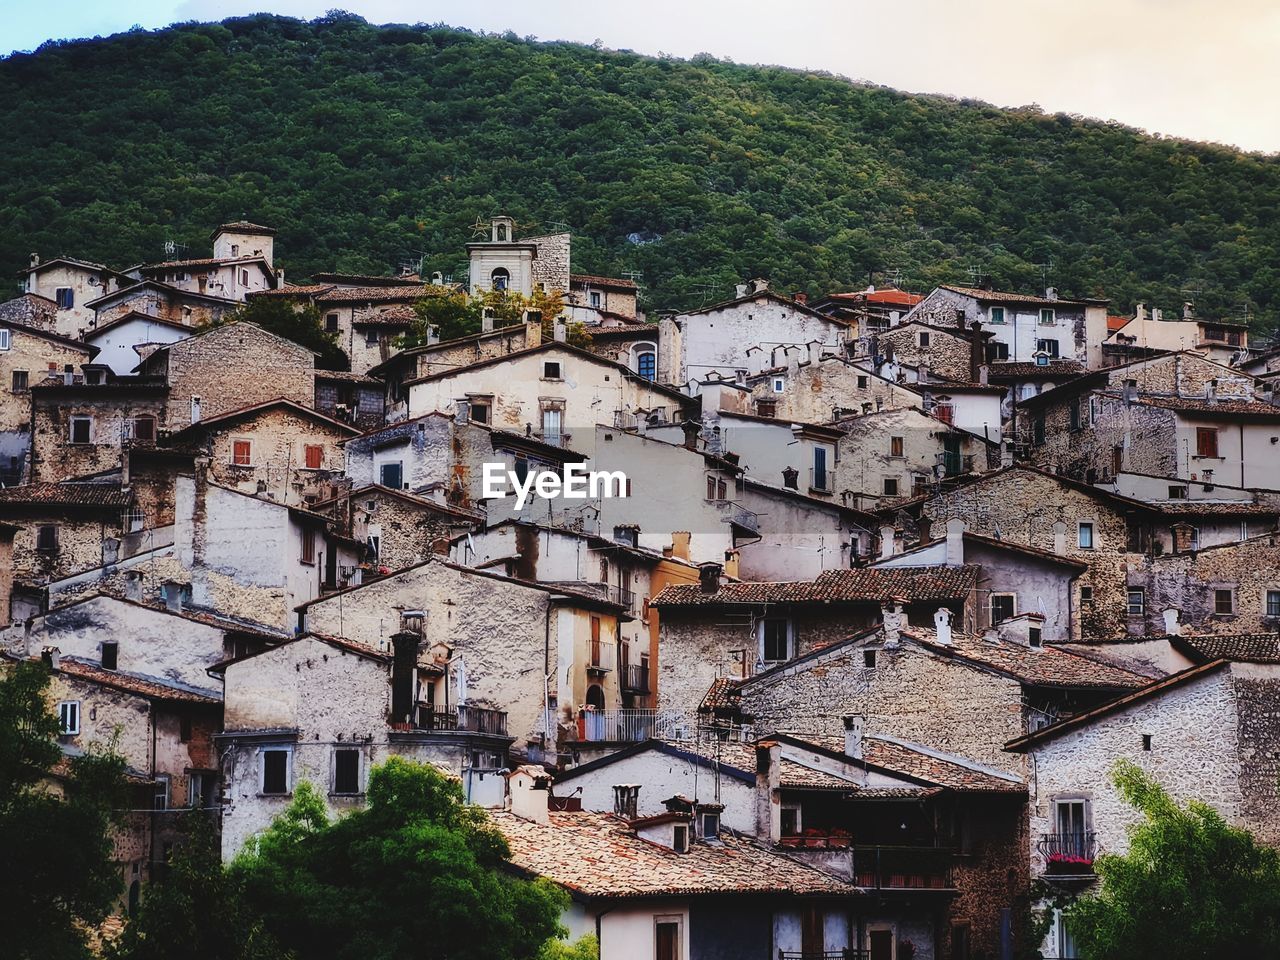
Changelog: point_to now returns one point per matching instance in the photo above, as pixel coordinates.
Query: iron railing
(634, 725)
(602, 656)
(466, 718)
(635, 678)
(1068, 852)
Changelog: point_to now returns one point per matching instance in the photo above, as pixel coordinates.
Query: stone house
(278, 449)
(225, 368)
(948, 353)
(1020, 325)
(161, 300)
(241, 264)
(27, 353)
(63, 528)
(398, 529)
(1023, 380)
(351, 398)
(870, 311)
(635, 346)
(82, 423)
(164, 731)
(897, 453)
(1205, 734)
(72, 285)
(716, 339)
(552, 392)
(1149, 330)
(534, 651)
(607, 298)
(711, 630)
(1021, 591)
(367, 320)
(30, 310)
(124, 340)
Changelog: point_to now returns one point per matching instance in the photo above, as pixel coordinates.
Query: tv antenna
(1045, 269)
(893, 277)
(173, 249)
(974, 270)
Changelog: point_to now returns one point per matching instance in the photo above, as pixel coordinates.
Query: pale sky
(1187, 68)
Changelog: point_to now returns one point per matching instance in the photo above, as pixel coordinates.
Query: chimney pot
(709, 577)
(740, 290)
(955, 542)
(942, 625)
(853, 733)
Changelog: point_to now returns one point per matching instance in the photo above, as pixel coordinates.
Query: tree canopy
(1191, 887)
(302, 325)
(55, 818)
(369, 147)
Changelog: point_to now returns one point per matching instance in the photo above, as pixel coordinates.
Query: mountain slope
(368, 146)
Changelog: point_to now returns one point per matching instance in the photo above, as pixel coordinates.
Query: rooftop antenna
(975, 274)
(894, 277)
(1045, 269)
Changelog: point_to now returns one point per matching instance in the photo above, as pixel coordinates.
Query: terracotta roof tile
(67, 494)
(389, 294)
(935, 767)
(153, 688)
(1221, 407)
(1246, 647)
(599, 855)
(1001, 296)
(866, 584)
(1046, 666)
(585, 279)
(1024, 370)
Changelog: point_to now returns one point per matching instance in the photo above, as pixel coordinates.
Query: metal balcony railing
(739, 516)
(1068, 853)
(820, 480)
(635, 678)
(622, 596)
(554, 439)
(465, 718)
(633, 725)
(602, 656)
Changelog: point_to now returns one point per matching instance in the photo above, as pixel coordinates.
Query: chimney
(1060, 538)
(530, 789)
(815, 350)
(894, 619)
(1188, 310)
(1182, 533)
(33, 261)
(433, 333)
(888, 537)
(561, 331)
(801, 298)
(759, 285)
(740, 377)
(1211, 390)
(532, 330)
(626, 800)
(793, 360)
(924, 530)
(955, 542)
(740, 290)
(692, 430)
(1051, 293)
(768, 798)
(984, 374)
(680, 544)
(709, 577)
(853, 730)
(1171, 617)
(922, 373)
(437, 279)
(51, 655)
(486, 320)
(1157, 314)
(1140, 312)
(942, 625)
(279, 276)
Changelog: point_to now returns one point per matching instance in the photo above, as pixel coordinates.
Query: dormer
(673, 829)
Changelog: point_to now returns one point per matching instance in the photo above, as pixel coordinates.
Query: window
(779, 385)
(1273, 603)
(65, 297)
(1037, 431)
(1117, 459)
(595, 299)
(1042, 360)
(997, 314)
(520, 467)
(711, 487)
(331, 322)
(81, 430)
(1146, 742)
(371, 336)
(960, 941)
(1206, 441)
(1178, 493)
(890, 486)
(275, 770)
(767, 408)
(666, 938)
(160, 800)
(1048, 347)
(314, 454)
(500, 279)
(195, 409)
(1137, 601)
(199, 790)
(869, 659)
(1073, 413)
(862, 383)
(184, 728)
(680, 838)
(647, 365)
(895, 446)
(551, 370)
(308, 546)
(1034, 636)
(479, 411)
(1084, 536)
(1224, 600)
(1086, 594)
(69, 718)
(6, 338)
(244, 278)
(551, 426)
(143, 428)
(1066, 942)
(1047, 316)
(775, 639)
(1003, 607)
(346, 771)
(709, 824)
(110, 654)
(21, 381)
(924, 338)
(47, 538)
(997, 350)
(390, 474)
(945, 411)
(821, 480)
(241, 453)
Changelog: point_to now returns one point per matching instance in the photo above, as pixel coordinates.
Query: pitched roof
(346, 376)
(599, 855)
(1201, 406)
(585, 279)
(404, 496)
(935, 766)
(400, 315)
(861, 585)
(166, 288)
(242, 226)
(292, 290)
(69, 493)
(388, 294)
(1024, 370)
(1214, 508)
(254, 409)
(365, 280)
(765, 295)
(111, 324)
(86, 264)
(49, 335)
(206, 262)
(1243, 647)
(341, 643)
(1047, 666)
(153, 688)
(1152, 689)
(1001, 296)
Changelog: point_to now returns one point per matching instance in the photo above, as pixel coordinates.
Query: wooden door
(881, 942)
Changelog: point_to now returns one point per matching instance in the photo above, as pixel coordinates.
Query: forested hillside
(368, 146)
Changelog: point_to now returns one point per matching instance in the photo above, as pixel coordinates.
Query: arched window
(644, 360)
(502, 233)
(500, 279)
(595, 696)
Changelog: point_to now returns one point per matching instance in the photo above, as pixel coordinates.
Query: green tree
(302, 325)
(453, 315)
(196, 909)
(416, 872)
(55, 826)
(584, 948)
(1191, 887)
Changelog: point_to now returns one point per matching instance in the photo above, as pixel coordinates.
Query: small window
(1137, 601)
(1084, 536)
(709, 825)
(1048, 347)
(647, 365)
(65, 298)
(195, 409)
(110, 654)
(81, 430)
(890, 486)
(862, 382)
(1207, 442)
(1146, 742)
(775, 640)
(69, 718)
(143, 428)
(314, 453)
(779, 385)
(766, 408)
(6, 338)
(551, 370)
(346, 771)
(1086, 594)
(1003, 607)
(241, 453)
(997, 314)
(595, 299)
(479, 411)
(21, 381)
(1273, 603)
(1224, 601)
(1037, 431)
(244, 277)
(371, 336)
(997, 350)
(275, 771)
(869, 659)
(924, 338)
(1047, 317)
(308, 546)
(1177, 493)
(1035, 636)
(331, 323)
(895, 446)
(200, 790)
(390, 475)
(500, 278)
(47, 538)
(1073, 414)
(680, 837)
(161, 798)
(668, 944)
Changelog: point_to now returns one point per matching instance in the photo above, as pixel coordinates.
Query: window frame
(287, 750)
(996, 315)
(21, 381)
(897, 446)
(1138, 609)
(548, 366)
(1206, 440)
(669, 920)
(1218, 595)
(991, 606)
(307, 553)
(307, 450)
(1081, 527)
(68, 718)
(47, 531)
(331, 323)
(79, 419)
(237, 444)
(334, 772)
(67, 302)
(1271, 609)
(1048, 317)
(788, 639)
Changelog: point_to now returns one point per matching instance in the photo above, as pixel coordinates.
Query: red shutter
(315, 456)
(1206, 441)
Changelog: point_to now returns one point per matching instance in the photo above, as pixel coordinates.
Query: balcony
(603, 657)
(902, 868)
(820, 481)
(553, 439)
(633, 725)
(740, 517)
(465, 719)
(623, 597)
(1068, 854)
(635, 678)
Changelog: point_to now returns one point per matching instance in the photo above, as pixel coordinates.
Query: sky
(1198, 69)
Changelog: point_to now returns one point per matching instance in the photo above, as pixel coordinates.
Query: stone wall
(818, 392)
(1147, 437)
(32, 356)
(1257, 697)
(1187, 582)
(946, 355)
(278, 470)
(84, 541)
(551, 265)
(55, 458)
